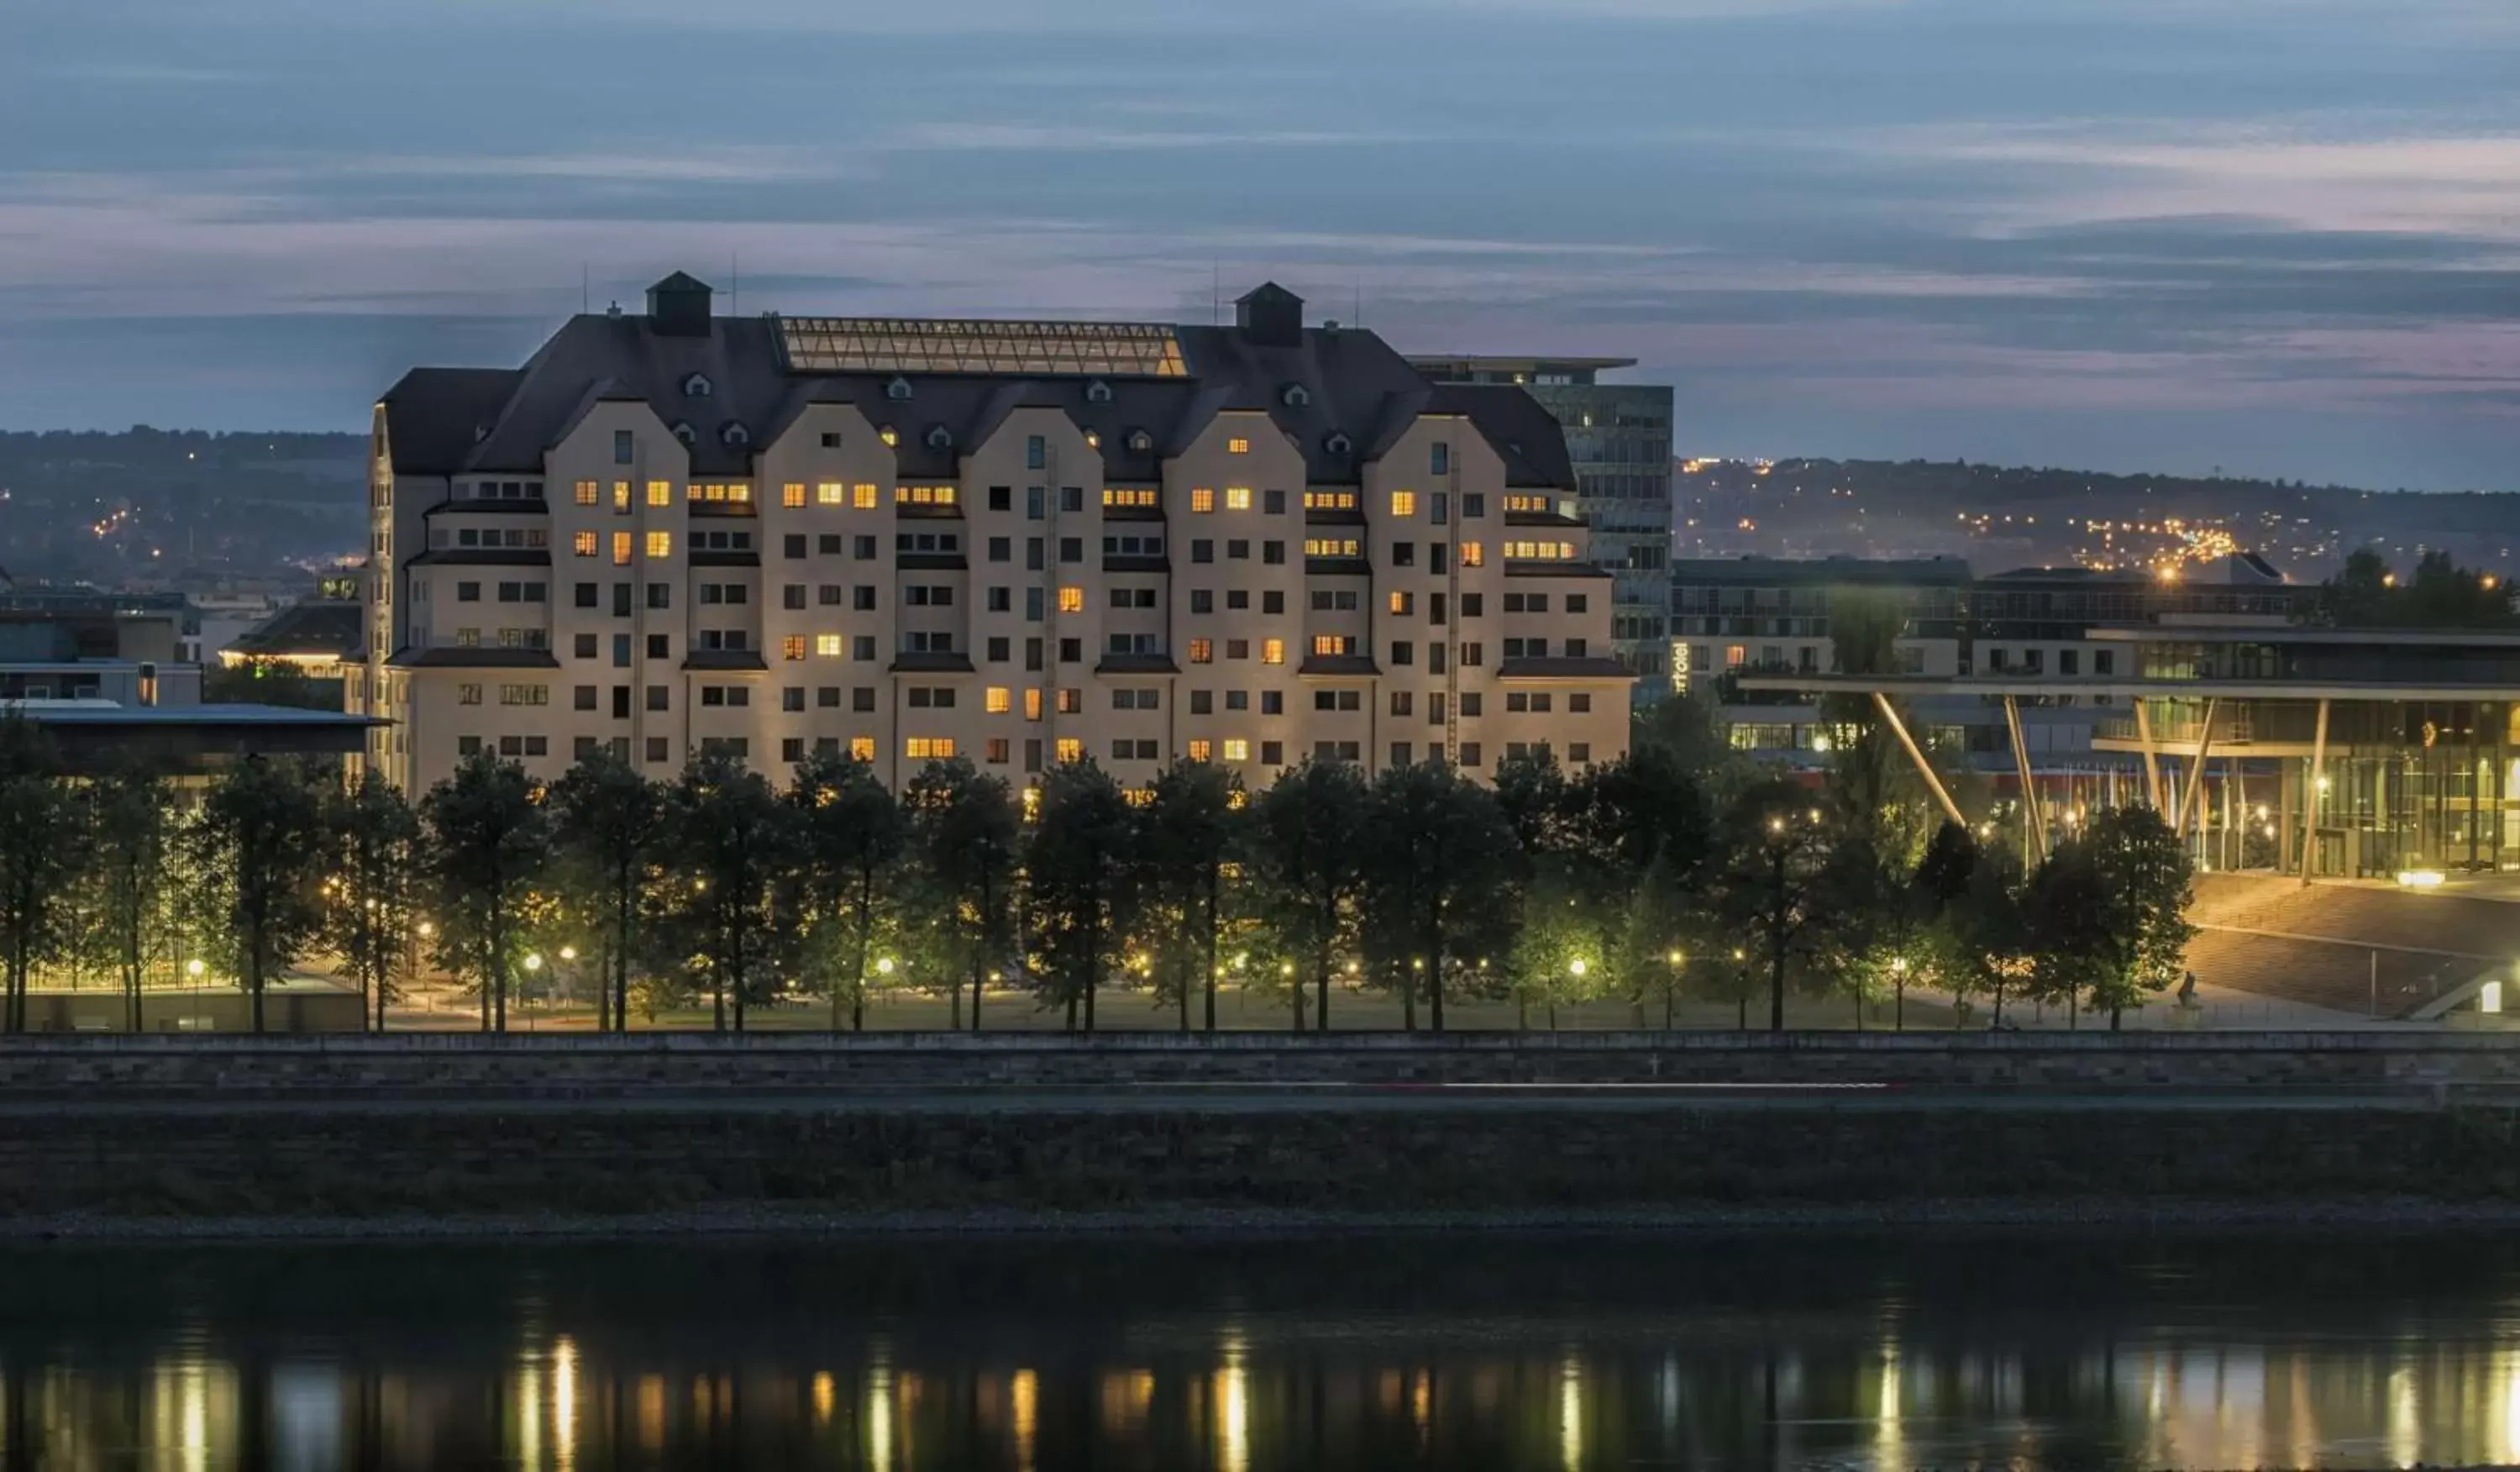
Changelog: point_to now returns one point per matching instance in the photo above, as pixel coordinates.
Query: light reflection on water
(1346, 1353)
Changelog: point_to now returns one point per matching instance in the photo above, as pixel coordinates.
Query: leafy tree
(1769, 888)
(1624, 818)
(377, 837)
(131, 840)
(1081, 884)
(270, 683)
(1686, 728)
(607, 824)
(1307, 836)
(261, 846)
(1186, 836)
(2108, 907)
(852, 836)
(2440, 594)
(1441, 868)
(489, 841)
(963, 838)
(40, 832)
(732, 840)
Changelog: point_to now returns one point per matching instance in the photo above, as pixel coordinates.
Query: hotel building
(1017, 542)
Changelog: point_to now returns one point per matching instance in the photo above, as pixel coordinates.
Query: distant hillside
(2007, 515)
(171, 507)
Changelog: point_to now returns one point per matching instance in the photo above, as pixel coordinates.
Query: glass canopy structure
(914, 345)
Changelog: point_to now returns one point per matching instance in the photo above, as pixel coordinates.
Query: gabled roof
(317, 626)
(1341, 395)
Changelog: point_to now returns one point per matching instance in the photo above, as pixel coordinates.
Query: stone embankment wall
(472, 1066)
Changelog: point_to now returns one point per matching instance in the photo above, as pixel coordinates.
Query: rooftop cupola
(1271, 316)
(677, 306)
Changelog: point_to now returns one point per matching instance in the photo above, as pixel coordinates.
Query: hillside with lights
(2001, 517)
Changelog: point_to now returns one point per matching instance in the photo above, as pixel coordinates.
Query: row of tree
(1670, 873)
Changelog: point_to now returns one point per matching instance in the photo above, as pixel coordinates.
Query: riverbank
(720, 1225)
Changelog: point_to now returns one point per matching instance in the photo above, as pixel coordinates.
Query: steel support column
(2309, 797)
(2191, 800)
(2037, 825)
(1924, 768)
(2152, 761)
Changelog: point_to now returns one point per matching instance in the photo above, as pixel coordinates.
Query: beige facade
(876, 566)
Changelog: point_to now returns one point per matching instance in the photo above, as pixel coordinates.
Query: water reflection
(1337, 1354)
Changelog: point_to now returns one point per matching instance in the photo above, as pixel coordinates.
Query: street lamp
(1899, 990)
(883, 966)
(533, 961)
(194, 968)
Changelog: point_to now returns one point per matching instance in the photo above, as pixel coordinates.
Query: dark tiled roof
(475, 659)
(315, 626)
(435, 415)
(1589, 667)
(1339, 666)
(1357, 396)
(725, 658)
(484, 557)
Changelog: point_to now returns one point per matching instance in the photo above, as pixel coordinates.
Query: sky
(2277, 237)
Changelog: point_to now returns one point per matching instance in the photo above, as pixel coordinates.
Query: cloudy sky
(2276, 236)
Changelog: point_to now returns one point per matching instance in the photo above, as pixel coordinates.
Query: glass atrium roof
(910, 344)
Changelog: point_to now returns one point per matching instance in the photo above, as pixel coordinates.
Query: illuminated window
(1237, 749)
(929, 747)
(660, 493)
(1070, 701)
(622, 549)
(621, 497)
(1400, 603)
(1199, 751)
(1032, 705)
(792, 647)
(1113, 496)
(888, 434)
(827, 646)
(1237, 498)
(1273, 651)
(1329, 644)
(586, 492)
(1201, 651)
(1072, 600)
(1473, 554)
(1238, 445)
(1330, 500)
(997, 700)
(582, 543)
(1536, 552)
(793, 494)
(923, 495)
(721, 490)
(830, 493)
(1734, 656)
(860, 749)
(1202, 499)
(1330, 546)
(660, 545)
(1404, 503)
(1070, 748)
(1528, 503)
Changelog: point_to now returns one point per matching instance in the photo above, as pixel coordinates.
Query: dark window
(1272, 502)
(792, 544)
(657, 698)
(624, 446)
(1001, 548)
(1273, 553)
(1001, 497)
(1202, 550)
(589, 595)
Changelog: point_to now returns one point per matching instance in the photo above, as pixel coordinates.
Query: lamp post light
(1742, 983)
(1670, 985)
(1899, 990)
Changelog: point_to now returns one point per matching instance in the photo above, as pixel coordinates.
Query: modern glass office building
(1619, 438)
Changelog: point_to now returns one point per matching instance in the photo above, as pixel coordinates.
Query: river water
(1787, 1349)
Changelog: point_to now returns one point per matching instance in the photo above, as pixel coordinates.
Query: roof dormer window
(1338, 444)
(732, 432)
(1093, 439)
(1295, 396)
(1141, 442)
(698, 385)
(684, 432)
(1098, 393)
(940, 437)
(898, 391)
